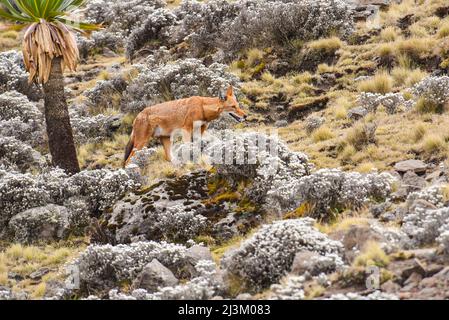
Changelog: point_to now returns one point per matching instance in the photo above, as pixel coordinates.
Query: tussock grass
(323, 133)
(382, 82)
(434, 144)
(326, 45)
(372, 254)
(390, 34)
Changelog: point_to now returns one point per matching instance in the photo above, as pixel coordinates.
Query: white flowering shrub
(16, 105)
(21, 119)
(432, 195)
(443, 238)
(181, 79)
(142, 157)
(265, 257)
(104, 266)
(156, 27)
(376, 295)
(101, 188)
(435, 90)
(203, 287)
(203, 23)
(98, 189)
(100, 95)
(121, 16)
(425, 226)
(32, 133)
(18, 155)
(292, 289)
(392, 102)
(98, 42)
(19, 192)
(333, 190)
(265, 23)
(14, 77)
(93, 128)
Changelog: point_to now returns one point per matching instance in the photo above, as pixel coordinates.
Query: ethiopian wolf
(162, 120)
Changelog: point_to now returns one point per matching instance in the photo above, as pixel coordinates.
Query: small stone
(357, 113)
(37, 275)
(390, 287)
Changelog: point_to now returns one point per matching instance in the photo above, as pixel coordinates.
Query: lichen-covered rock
(265, 161)
(49, 223)
(265, 257)
(170, 210)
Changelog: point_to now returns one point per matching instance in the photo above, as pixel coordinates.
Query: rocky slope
(353, 203)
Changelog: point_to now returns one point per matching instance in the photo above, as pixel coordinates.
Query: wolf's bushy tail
(129, 148)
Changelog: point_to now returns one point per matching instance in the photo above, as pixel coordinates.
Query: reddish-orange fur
(163, 119)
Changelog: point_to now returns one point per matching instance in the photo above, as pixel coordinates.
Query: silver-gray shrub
(98, 42)
(19, 156)
(99, 189)
(180, 79)
(107, 265)
(267, 256)
(328, 191)
(16, 105)
(21, 119)
(14, 77)
(204, 286)
(434, 90)
(121, 16)
(101, 95)
(93, 128)
(156, 28)
(267, 23)
(19, 192)
(392, 102)
(202, 24)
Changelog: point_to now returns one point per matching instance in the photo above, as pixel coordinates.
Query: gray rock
(153, 276)
(47, 223)
(413, 182)
(197, 253)
(357, 113)
(38, 274)
(416, 166)
(244, 296)
(311, 263)
(390, 287)
(281, 123)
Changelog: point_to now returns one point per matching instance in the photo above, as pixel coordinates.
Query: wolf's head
(231, 105)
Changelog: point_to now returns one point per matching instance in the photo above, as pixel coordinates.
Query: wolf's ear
(222, 96)
(230, 91)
